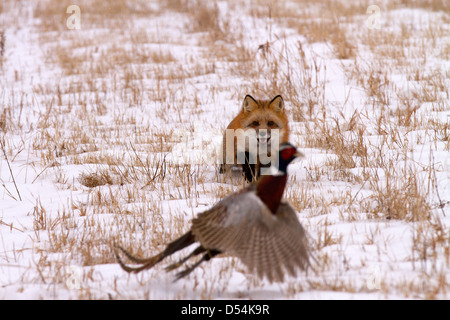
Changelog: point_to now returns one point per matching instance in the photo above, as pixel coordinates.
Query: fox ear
(249, 104)
(277, 104)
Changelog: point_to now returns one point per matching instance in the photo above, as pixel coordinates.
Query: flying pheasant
(253, 224)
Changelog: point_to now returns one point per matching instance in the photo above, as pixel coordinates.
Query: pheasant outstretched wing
(242, 225)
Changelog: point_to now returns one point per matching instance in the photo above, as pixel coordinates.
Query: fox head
(263, 116)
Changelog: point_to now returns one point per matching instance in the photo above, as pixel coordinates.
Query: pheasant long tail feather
(208, 255)
(146, 263)
(177, 264)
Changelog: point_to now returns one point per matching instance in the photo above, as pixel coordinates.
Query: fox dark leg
(249, 169)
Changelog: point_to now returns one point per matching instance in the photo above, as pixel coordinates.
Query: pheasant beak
(299, 154)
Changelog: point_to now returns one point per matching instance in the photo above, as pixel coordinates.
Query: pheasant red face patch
(287, 153)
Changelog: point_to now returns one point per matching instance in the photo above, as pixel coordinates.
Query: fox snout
(263, 136)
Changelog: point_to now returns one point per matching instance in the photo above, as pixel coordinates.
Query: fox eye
(255, 123)
(270, 123)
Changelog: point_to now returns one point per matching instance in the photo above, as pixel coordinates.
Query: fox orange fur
(259, 121)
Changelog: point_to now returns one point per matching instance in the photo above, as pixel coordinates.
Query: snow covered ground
(94, 121)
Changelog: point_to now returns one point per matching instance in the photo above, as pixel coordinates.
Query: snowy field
(110, 117)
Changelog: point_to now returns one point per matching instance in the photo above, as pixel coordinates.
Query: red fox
(260, 126)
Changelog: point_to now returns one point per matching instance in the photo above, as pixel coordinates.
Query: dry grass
(101, 128)
(2, 45)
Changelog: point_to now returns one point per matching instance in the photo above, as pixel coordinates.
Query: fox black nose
(263, 133)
